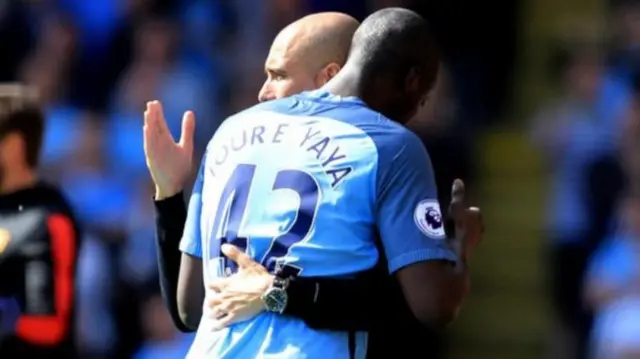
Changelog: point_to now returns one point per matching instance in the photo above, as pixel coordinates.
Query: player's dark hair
(20, 114)
(394, 41)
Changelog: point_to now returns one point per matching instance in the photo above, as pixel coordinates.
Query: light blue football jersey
(310, 183)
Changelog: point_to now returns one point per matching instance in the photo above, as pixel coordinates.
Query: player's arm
(432, 274)
(372, 300)
(369, 301)
(50, 286)
(190, 288)
(171, 215)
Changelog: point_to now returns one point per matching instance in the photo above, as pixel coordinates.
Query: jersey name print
(275, 209)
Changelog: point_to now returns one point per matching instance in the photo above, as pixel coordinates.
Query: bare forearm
(458, 286)
(435, 290)
(457, 280)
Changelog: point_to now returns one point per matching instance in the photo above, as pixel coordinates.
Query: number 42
(234, 200)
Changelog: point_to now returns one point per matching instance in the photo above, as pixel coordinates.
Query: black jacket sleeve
(171, 214)
(371, 300)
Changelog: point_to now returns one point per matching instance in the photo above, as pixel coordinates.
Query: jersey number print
(234, 201)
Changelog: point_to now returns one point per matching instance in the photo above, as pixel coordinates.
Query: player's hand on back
(239, 297)
(469, 226)
(169, 163)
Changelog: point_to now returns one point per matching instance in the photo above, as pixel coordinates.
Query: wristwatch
(275, 298)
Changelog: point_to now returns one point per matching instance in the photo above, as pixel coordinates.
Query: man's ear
(332, 70)
(412, 81)
(327, 73)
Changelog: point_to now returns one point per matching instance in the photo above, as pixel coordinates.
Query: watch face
(275, 300)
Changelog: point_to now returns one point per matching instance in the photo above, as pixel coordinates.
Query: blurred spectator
(104, 28)
(17, 37)
(101, 199)
(97, 332)
(613, 289)
(569, 133)
(48, 64)
(626, 49)
(138, 263)
(259, 26)
(157, 72)
(631, 137)
(98, 195)
(616, 91)
(47, 68)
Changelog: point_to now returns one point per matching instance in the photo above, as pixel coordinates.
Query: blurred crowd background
(537, 109)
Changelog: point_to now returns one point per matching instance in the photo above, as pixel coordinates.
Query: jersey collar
(326, 96)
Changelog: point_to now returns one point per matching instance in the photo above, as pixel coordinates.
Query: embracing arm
(430, 292)
(322, 303)
(179, 257)
(431, 278)
(429, 273)
(351, 304)
(435, 290)
(171, 214)
(180, 273)
(431, 269)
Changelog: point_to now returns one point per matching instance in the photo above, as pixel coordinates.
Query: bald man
(304, 56)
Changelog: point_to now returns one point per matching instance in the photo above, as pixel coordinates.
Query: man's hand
(169, 162)
(238, 298)
(469, 226)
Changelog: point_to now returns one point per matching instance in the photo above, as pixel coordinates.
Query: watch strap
(280, 283)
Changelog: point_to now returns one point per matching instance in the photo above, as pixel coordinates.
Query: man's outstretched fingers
(235, 254)
(474, 214)
(161, 122)
(219, 284)
(147, 114)
(457, 206)
(154, 108)
(188, 129)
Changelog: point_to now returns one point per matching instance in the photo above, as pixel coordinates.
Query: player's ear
(332, 70)
(412, 82)
(327, 73)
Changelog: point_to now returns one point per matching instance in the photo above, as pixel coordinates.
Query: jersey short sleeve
(191, 242)
(409, 218)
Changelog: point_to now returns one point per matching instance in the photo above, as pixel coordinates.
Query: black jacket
(38, 255)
